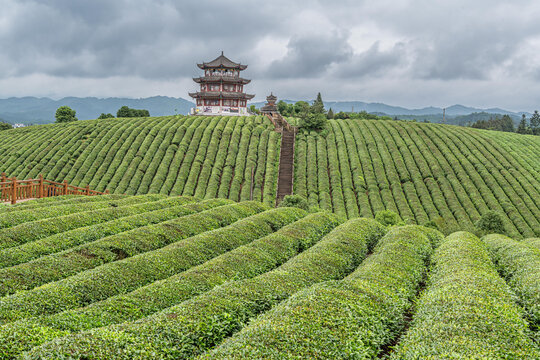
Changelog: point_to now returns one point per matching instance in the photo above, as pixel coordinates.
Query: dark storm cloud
(312, 55)
(148, 39)
(343, 46)
(374, 62)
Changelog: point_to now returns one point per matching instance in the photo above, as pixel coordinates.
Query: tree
(283, 108)
(523, 127)
(330, 114)
(318, 105)
(300, 107)
(310, 121)
(535, 123)
(106, 116)
(5, 126)
(126, 112)
(65, 114)
(254, 110)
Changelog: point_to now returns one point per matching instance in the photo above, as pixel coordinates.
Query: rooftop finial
(221, 52)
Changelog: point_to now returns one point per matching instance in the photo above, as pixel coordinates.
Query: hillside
(152, 276)
(425, 172)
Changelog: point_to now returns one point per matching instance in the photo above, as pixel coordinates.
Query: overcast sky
(415, 53)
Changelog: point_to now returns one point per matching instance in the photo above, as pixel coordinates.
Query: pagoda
(222, 88)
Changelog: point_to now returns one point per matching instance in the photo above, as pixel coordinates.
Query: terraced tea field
(151, 276)
(424, 172)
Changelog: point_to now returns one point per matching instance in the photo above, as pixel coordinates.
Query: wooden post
(3, 179)
(65, 191)
(88, 190)
(40, 191)
(14, 191)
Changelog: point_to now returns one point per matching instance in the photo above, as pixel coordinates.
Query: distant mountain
(32, 110)
(455, 114)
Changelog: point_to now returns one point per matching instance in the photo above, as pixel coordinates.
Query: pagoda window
(213, 87)
(229, 87)
(211, 102)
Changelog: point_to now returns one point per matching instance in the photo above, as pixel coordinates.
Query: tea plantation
(158, 277)
(440, 174)
(189, 258)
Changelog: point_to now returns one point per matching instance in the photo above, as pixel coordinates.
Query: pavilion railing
(13, 190)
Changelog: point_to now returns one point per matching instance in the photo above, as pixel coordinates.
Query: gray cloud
(404, 52)
(311, 56)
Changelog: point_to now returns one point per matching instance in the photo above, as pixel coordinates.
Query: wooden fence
(12, 190)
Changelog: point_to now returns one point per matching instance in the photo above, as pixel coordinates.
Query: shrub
(200, 323)
(121, 276)
(245, 261)
(310, 121)
(388, 218)
(352, 318)
(467, 311)
(490, 223)
(519, 263)
(294, 201)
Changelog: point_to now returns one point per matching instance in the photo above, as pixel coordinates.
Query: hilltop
(427, 173)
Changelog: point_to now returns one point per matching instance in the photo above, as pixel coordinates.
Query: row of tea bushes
(253, 258)
(519, 263)
(116, 247)
(12, 218)
(127, 218)
(126, 275)
(351, 318)
(467, 311)
(199, 324)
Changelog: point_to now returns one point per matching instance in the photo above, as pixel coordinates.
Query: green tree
(330, 114)
(535, 123)
(283, 108)
(254, 109)
(523, 127)
(5, 126)
(106, 116)
(126, 112)
(301, 107)
(311, 121)
(65, 114)
(318, 105)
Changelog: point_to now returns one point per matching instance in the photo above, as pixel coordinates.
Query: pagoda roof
(222, 61)
(221, 95)
(224, 78)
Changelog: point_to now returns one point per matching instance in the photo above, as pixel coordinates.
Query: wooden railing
(280, 123)
(12, 190)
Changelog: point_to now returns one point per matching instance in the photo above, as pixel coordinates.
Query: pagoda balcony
(221, 95)
(225, 78)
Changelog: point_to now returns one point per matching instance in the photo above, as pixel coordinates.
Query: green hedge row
(66, 263)
(348, 319)
(58, 200)
(535, 242)
(37, 229)
(467, 310)
(248, 260)
(12, 218)
(204, 321)
(125, 275)
(519, 264)
(171, 155)
(132, 216)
